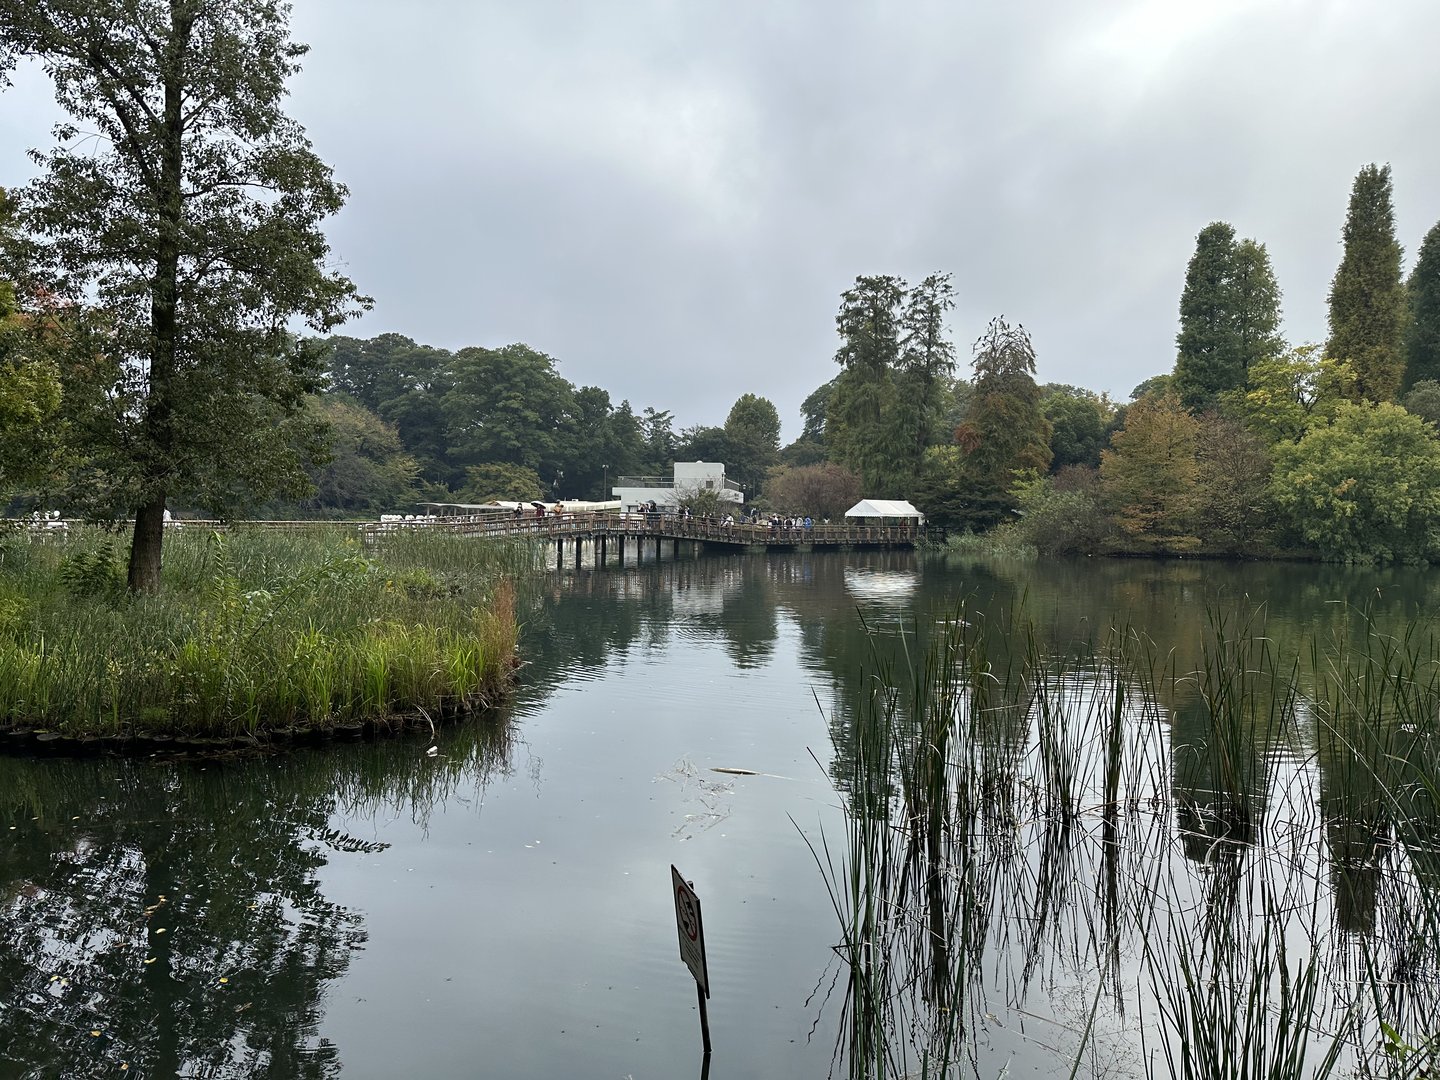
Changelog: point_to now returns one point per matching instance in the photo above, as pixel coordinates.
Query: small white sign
(690, 929)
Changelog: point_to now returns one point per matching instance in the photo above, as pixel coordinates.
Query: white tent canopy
(884, 508)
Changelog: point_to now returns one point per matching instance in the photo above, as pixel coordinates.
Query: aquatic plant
(1103, 811)
(257, 632)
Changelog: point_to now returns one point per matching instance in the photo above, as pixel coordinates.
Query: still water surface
(502, 908)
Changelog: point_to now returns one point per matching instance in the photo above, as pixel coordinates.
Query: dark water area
(502, 906)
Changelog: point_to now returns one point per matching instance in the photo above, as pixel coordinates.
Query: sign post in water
(692, 944)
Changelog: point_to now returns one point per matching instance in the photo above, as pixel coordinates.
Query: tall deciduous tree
(753, 431)
(821, 491)
(1078, 420)
(368, 469)
(1149, 476)
(1367, 297)
(1229, 316)
(926, 362)
(1422, 339)
(509, 406)
(194, 221)
(1005, 432)
(1293, 393)
(859, 426)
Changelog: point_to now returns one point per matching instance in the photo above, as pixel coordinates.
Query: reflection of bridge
(603, 531)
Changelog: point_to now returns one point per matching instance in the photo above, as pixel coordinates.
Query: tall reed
(255, 631)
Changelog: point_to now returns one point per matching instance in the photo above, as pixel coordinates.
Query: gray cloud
(669, 197)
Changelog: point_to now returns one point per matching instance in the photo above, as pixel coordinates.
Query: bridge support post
(675, 548)
(600, 551)
(620, 549)
(579, 543)
(559, 554)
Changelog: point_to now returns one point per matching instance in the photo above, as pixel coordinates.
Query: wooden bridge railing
(560, 526)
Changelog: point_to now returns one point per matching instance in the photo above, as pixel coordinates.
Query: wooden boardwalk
(604, 532)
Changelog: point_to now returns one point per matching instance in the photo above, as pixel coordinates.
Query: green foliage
(403, 383)
(368, 469)
(866, 428)
(821, 491)
(1293, 392)
(507, 406)
(1005, 432)
(1422, 338)
(192, 219)
(1368, 310)
(1078, 420)
(93, 572)
(30, 391)
(701, 443)
(1149, 475)
(926, 362)
(1424, 400)
(950, 499)
(1365, 487)
(1232, 491)
(1056, 518)
(814, 409)
(511, 483)
(1229, 316)
(752, 430)
(256, 631)
(1155, 386)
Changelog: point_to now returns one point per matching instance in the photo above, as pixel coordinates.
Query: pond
(495, 899)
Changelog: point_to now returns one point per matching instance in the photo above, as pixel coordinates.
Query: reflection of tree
(169, 918)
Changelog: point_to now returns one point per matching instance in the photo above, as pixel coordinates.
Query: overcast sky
(668, 196)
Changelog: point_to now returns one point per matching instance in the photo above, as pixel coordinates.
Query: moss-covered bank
(255, 634)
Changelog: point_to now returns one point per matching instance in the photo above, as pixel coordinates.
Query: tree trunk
(164, 322)
(145, 546)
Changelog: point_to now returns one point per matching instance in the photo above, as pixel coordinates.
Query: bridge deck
(668, 527)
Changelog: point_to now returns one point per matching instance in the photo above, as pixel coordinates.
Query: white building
(670, 493)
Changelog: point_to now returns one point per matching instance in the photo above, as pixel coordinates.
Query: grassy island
(255, 634)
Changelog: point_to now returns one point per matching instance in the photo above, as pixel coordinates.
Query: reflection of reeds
(1002, 798)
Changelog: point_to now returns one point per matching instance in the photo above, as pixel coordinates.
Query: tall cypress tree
(1367, 297)
(1229, 316)
(857, 426)
(1256, 296)
(1422, 343)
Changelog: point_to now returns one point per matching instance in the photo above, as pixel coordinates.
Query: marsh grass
(255, 632)
(1257, 887)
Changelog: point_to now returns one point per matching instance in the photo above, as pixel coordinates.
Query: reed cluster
(255, 632)
(1242, 859)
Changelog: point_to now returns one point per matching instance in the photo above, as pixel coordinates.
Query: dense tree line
(147, 358)
(1253, 447)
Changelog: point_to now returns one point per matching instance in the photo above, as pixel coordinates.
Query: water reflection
(1116, 795)
(167, 920)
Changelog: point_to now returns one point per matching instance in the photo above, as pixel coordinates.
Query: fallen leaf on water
(223, 980)
(94, 1032)
(151, 960)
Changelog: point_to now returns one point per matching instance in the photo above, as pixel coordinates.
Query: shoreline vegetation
(257, 637)
(1241, 856)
